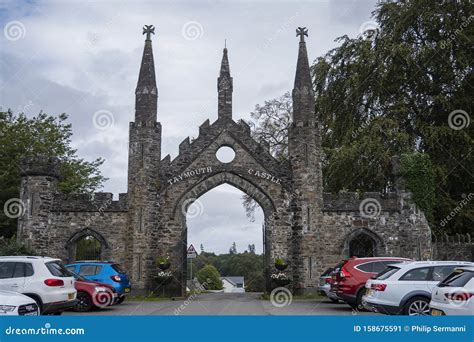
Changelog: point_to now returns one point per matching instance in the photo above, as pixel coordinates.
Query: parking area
(227, 304)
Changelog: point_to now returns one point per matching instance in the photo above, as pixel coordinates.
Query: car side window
(441, 272)
(29, 270)
(416, 274)
(367, 267)
(98, 270)
(19, 271)
(379, 267)
(71, 268)
(87, 270)
(6, 270)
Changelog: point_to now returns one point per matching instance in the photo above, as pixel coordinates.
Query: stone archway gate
(288, 192)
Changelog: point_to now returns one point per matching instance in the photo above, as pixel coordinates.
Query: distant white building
(233, 284)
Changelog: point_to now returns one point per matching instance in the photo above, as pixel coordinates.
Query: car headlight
(101, 289)
(7, 308)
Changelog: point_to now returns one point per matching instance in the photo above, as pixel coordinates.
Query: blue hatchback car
(104, 272)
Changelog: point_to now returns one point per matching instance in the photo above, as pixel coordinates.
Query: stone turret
(224, 88)
(143, 168)
(38, 186)
(305, 158)
(146, 93)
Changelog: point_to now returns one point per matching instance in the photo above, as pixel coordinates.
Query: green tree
(407, 81)
(418, 174)
(233, 248)
(248, 265)
(10, 246)
(45, 135)
(210, 278)
(252, 248)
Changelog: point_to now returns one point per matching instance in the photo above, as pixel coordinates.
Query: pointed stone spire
(224, 88)
(303, 95)
(146, 93)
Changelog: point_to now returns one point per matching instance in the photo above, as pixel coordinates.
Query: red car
(91, 294)
(349, 282)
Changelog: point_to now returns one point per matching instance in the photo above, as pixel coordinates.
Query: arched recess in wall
(87, 244)
(363, 243)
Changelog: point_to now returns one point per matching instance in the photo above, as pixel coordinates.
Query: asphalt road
(226, 304)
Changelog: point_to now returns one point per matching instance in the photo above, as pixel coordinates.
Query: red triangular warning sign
(191, 250)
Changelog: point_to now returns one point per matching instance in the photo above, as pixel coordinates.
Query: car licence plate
(127, 289)
(70, 296)
(436, 312)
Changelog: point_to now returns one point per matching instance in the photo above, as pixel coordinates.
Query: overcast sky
(83, 58)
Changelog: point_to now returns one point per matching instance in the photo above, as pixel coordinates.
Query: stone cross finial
(148, 29)
(302, 31)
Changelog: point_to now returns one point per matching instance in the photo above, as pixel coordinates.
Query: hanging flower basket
(281, 267)
(164, 278)
(280, 264)
(164, 262)
(281, 279)
(164, 266)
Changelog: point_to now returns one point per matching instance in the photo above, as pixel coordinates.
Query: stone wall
(457, 247)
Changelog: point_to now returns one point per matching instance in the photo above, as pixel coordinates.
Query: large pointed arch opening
(195, 209)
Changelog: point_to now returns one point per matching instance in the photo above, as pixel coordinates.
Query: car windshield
(57, 269)
(386, 273)
(458, 278)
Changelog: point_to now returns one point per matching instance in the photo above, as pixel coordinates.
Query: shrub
(210, 278)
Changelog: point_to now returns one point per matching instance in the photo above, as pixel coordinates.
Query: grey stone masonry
(309, 229)
(224, 89)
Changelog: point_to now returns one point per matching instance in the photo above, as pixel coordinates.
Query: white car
(406, 288)
(455, 294)
(43, 279)
(16, 304)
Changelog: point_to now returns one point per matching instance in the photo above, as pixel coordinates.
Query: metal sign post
(192, 254)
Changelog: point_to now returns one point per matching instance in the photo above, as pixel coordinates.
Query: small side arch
(363, 242)
(71, 244)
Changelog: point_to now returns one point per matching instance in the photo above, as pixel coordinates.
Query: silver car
(324, 287)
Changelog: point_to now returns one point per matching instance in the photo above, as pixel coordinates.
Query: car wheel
(38, 302)
(417, 306)
(120, 300)
(358, 305)
(334, 300)
(84, 302)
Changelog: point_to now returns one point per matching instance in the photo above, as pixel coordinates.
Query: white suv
(43, 279)
(405, 288)
(16, 304)
(455, 294)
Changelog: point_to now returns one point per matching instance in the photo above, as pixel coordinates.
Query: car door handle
(15, 285)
